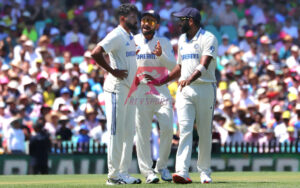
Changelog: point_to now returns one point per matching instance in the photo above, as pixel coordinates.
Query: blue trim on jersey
(200, 31)
(215, 97)
(125, 32)
(114, 114)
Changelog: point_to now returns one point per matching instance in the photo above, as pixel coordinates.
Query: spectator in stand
(276, 61)
(246, 24)
(63, 133)
(15, 136)
(254, 133)
(75, 46)
(218, 7)
(165, 12)
(293, 60)
(86, 66)
(20, 46)
(295, 121)
(240, 9)
(265, 47)
(218, 125)
(228, 17)
(224, 46)
(30, 55)
(30, 31)
(43, 44)
(252, 57)
(64, 99)
(209, 18)
(75, 36)
(245, 44)
(290, 29)
(13, 89)
(291, 132)
(280, 130)
(91, 120)
(99, 133)
(257, 10)
(48, 93)
(83, 139)
(285, 50)
(234, 136)
(52, 124)
(268, 141)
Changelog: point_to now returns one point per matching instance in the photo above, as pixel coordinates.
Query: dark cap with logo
(151, 13)
(188, 12)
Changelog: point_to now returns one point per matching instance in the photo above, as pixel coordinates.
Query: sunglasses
(184, 18)
(149, 21)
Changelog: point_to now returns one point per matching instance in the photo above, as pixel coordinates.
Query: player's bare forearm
(174, 74)
(97, 55)
(205, 61)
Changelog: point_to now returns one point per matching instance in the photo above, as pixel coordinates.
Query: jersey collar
(146, 41)
(125, 32)
(199, 32)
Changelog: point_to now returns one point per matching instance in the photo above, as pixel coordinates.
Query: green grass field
(220, 179)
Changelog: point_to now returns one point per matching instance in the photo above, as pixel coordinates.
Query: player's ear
(157, 26)
(191, 21)
(121, 19)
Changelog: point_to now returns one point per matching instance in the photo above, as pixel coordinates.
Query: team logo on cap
(196, 46)
(212, 49)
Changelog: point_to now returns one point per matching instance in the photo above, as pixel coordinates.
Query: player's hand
(152, 80)
(157, 51)
(138, 49)
(184, 83)
(121, 74)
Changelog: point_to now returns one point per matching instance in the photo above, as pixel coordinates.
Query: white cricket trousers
(160, 106)
(195, 102)
(121, 128)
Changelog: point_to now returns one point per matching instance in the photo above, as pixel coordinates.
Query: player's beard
(149, 32)
(132, 26)
(185, 27)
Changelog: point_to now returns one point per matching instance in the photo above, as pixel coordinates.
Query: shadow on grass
(238, 182)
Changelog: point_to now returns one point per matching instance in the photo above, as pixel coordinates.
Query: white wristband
(200, 68)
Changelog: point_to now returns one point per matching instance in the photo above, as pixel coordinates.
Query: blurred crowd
(47, 73)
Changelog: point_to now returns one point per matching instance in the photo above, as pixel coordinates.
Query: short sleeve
(178, 55)
(210, 46)
(110, 42)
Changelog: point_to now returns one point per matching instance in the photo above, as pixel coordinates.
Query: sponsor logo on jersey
(190, 56)
(146, 56)
(212, 49)
(159, 73)
(127, 44)
(130, 53)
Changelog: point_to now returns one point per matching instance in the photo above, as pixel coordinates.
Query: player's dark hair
(125, 10)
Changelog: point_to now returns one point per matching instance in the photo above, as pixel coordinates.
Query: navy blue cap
(64, 90)
(151, 13)
(188, 12)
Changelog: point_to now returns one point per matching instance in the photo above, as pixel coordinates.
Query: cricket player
(196, 94)
(155, 57)
(120, 46)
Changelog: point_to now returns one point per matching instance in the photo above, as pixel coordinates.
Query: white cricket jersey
(145, 58)
(120, 47)
(190, 53)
